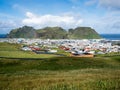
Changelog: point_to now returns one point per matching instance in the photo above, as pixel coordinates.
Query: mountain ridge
(54, 33)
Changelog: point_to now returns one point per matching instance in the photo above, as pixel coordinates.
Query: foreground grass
(84, 79)
(62, 73)
(28, 71)
(11, 65)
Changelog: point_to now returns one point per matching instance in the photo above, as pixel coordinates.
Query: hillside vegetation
(23, 32)
(83, 32)
(29, 71)
(54, 33)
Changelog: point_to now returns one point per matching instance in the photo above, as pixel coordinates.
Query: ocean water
(106, 36)
(3, 35)
(111, 36)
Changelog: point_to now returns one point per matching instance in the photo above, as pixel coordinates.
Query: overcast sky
(102, 15)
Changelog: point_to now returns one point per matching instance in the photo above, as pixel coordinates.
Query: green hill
(83, 33)
(23, 32)
(54, 33)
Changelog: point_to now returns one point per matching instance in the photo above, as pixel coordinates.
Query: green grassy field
(21, 70)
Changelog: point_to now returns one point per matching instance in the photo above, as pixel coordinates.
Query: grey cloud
(108, 23)
(90, 2)
(116, 25)
(7, 24)
(110, 4)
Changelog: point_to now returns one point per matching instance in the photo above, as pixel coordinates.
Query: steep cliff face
(54, 33)
(23, 32)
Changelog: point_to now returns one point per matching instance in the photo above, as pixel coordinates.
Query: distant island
(54, 33)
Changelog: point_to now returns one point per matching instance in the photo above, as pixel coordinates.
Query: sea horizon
(105, 36)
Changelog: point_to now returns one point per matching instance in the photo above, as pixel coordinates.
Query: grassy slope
(52, 33)
(23, 32)
(83, 33)
(26, 70)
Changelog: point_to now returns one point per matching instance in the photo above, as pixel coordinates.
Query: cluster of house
(38, 49)
(75, 47)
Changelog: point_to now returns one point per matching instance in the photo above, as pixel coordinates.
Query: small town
(77, 48)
